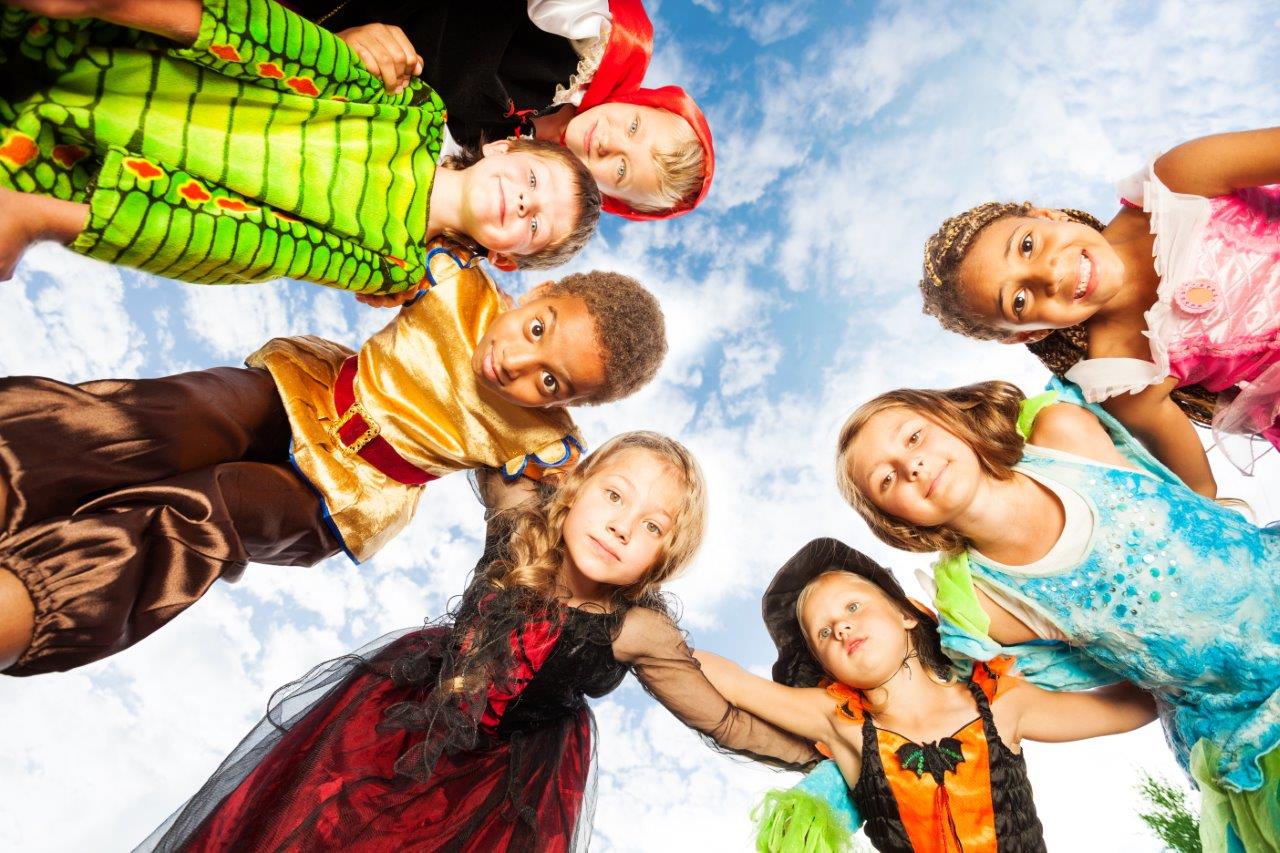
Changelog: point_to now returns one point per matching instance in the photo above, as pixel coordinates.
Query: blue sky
(846, 132)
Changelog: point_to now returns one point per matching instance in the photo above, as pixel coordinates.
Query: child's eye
(853, 607)
(653, 528)
(887, 481)
(622, 170)
(536, 329)
(824, 633)
(635, 125)
(550, 384)
(533, 227)
(914, 439)
(1026, 246)
(533, 179)
(1019, 303)
(613, 496)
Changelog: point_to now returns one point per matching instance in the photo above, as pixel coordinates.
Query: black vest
(485, 58)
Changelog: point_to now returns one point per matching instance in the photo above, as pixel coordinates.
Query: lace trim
(590, 54)
(1176, 221)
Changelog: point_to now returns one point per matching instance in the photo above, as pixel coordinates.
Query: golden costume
(175, 482)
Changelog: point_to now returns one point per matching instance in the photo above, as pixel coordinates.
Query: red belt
(357, 434)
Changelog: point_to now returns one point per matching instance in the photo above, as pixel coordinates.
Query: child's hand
(386, 52)
(15, 232)
(392, 300)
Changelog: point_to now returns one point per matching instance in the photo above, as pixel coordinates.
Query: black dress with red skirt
(414, 744)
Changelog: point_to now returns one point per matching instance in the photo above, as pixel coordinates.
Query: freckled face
(623, 516)
(517, 202)
(1027, 273)
(541, 353)
(618, 141)
(912, 468)
(857, 634)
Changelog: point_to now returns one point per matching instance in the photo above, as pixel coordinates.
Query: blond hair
(984, 416)
(681, 170)
(536, 550)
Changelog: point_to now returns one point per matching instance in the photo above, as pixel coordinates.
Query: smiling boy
(179, 481)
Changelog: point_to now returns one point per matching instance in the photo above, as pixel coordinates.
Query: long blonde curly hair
(536, 549)
(984, 416)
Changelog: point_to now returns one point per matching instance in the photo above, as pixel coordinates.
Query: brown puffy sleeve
(655, 649)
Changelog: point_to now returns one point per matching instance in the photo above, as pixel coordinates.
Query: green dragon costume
(263, 150)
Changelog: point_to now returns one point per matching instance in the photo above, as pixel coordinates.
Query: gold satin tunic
(416, 384)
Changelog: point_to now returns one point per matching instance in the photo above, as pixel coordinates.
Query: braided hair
(946, 250)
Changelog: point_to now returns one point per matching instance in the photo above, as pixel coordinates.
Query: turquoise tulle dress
(1176, 593)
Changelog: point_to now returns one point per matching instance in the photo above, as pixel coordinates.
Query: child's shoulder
(1064, 426)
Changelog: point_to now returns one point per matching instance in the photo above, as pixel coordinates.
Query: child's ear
(1026, 337)
(1048, 213)
(506, 263)
(498, 146)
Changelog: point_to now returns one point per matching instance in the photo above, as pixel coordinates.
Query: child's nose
(619, 527)
(518, 360)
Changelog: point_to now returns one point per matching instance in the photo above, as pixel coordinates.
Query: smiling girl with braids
(1176, 299)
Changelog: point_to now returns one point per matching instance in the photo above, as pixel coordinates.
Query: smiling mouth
(502, 203)
(1085, 278)
(489, 368)
(934, 484)
(587, 137)
(853, 645)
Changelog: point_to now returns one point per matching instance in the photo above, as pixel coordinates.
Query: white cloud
(790, 298)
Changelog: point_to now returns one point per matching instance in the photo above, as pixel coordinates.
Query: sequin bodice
(1176, 594)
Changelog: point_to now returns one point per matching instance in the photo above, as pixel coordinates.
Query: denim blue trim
(569, 443)
(324, 506)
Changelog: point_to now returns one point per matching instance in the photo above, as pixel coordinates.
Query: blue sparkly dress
(1174, 592)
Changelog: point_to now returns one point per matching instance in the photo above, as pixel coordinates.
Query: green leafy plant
(1168, 814)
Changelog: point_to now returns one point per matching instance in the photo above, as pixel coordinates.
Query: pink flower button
(1196, 296)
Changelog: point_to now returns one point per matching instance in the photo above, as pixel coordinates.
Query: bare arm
(651, 644)
(178, 20)
(1155, 420)
(1051, 717)
(1220, 164)
(799, 710)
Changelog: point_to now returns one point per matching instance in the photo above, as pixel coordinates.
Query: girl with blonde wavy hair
(473, 733)
(1069, 546)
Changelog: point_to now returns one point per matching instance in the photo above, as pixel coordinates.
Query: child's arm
(1050, 717)
(1154, 419)
(26, 218)
(177, 20)
(1220, 164)
(653, 646)
(799, 710)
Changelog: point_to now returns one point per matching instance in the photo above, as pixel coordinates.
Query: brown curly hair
(584, 188)
(946, 250)
(630, 329)
(536, 549)
(983, 415)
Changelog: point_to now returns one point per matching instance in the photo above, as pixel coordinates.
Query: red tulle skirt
(329, 783)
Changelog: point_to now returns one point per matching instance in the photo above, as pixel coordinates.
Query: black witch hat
(796, 665)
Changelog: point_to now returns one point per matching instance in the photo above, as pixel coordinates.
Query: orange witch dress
(967, 792)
